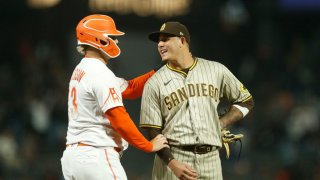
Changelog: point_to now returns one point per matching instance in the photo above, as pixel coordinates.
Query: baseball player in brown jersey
(180, 101)
(99, 127)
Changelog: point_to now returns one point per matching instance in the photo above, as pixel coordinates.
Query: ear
(183, 40)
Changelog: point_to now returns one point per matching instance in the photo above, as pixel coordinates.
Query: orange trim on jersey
(113, 94)
(180, 71)
(78, 144)
(123, 125)
(150, 126)
(109, 163)
(135, 86)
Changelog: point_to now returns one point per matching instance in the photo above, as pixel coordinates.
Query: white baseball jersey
(184, 105)
(93, 89)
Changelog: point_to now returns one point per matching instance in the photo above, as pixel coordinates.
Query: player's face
(168, 47)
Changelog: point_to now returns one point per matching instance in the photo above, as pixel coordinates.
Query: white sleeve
(107, 91)
(122, 83)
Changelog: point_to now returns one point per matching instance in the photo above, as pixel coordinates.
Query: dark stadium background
(272, 46)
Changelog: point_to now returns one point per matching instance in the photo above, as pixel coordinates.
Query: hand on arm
(165, 153)
(159, 143)
(122, 123)
(182, 171)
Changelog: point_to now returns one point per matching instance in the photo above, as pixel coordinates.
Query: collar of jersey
(182, 72)
(92, 60)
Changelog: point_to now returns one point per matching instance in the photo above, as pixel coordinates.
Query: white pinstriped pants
(208, 166)
(87, 162)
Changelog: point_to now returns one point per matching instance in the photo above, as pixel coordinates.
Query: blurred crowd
(277, 58)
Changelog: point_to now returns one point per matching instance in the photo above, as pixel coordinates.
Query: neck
(97, 54)
(183, 62)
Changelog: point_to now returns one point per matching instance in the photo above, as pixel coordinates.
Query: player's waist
(79, 144)
(96, 138)
(197, 149)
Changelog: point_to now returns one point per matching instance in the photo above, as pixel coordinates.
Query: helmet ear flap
(104, 43)
(111, 48)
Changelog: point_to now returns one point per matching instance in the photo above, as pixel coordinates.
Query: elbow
(251, 104)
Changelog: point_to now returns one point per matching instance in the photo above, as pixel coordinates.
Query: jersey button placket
(192, 117)
(191, 107)
(196, 120)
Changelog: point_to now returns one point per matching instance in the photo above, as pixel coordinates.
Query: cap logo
(181, 34)
(163, 27)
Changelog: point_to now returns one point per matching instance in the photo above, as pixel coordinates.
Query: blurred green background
(272, 46)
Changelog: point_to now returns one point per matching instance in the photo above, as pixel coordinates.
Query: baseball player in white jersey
(99, 127)
(180, 101)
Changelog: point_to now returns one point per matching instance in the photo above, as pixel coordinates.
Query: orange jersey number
(73, 95)
(73, 108)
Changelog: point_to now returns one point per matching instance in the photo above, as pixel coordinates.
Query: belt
(78, 144)
(117, 149)
(82, 144)
(197, 149)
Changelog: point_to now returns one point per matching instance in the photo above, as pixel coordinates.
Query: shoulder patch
(243, 89)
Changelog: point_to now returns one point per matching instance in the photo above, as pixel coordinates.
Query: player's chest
(176, 92)
(194, 84)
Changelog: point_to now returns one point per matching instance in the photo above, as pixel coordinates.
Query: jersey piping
(180, 71)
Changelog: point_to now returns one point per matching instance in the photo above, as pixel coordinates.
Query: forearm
(230, 117)
(135, 86)
(235, 114)
(122, 123)
(165, 153)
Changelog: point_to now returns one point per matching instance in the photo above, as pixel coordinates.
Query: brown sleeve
(248, 103)
(165, 153)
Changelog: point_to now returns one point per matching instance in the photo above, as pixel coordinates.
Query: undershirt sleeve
(165, 153)
(123, 124)
(135, 86)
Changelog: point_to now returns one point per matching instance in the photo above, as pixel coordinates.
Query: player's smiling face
(168, 47)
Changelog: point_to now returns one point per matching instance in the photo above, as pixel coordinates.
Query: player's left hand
(229, 138)
(182, 171)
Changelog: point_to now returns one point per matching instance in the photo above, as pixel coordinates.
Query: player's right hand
(159, 142)
(182, 171)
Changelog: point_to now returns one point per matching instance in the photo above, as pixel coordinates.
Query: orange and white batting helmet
(95, 30)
